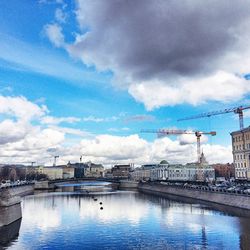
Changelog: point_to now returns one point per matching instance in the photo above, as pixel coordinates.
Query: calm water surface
(129, 220)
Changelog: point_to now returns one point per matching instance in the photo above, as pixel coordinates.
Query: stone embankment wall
(10, 196)
(10, 214)
(128, 184)
(233, 200)
(10, 207)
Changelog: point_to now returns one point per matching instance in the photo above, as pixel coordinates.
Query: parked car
(247, 191)
(5, 183)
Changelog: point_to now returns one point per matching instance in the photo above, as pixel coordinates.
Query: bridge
(52, 184)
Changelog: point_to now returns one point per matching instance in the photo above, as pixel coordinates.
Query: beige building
(68, 172)
(94, 170)
(53, 172)
(241, 153)
(140, 174)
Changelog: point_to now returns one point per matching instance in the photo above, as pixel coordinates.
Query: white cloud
(60, 16)
(191, 138)
(172, 53)
(140, 118)
(55, 35)
(100, 119)
(72, 131)
(21, 108)
(110, 149)
(11, 131)
(222, 87)
(118, 129)
(23, 142)
(58, 120)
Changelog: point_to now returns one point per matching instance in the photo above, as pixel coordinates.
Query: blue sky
(67, 71)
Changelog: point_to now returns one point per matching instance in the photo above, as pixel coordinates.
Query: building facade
(241, 153)
(121, 171)
(224, 170)
(53, 173)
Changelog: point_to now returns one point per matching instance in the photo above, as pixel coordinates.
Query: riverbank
(232, 200)
(11, 196)
(10, 207)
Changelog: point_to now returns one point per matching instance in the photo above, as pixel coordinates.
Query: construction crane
(236, 110)
(165, 132)
(55, 157)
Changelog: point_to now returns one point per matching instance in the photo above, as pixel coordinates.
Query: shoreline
(233, 201)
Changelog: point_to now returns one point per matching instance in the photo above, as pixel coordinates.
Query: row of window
(240, 138)
(241, 174)
(239, 157)
(240, 165)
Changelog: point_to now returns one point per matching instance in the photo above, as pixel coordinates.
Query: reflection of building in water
(244, 233)
(10, 221)
(9, 233)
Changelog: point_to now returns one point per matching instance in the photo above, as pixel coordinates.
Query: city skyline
(78, 80)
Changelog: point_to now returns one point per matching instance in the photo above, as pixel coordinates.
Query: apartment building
(241, 153)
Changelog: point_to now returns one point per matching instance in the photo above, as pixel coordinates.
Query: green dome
(163, 162)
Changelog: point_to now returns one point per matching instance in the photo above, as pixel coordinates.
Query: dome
(163, 162)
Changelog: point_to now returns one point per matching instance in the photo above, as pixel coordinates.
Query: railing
(207, 189)
(15, 185)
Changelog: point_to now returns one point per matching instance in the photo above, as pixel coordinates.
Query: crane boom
(236, 110)
(165, 132)
(176, 132)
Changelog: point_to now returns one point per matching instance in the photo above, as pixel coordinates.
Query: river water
(72, 218)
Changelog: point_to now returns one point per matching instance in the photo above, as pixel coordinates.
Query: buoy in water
(100, 203)
(101, 208)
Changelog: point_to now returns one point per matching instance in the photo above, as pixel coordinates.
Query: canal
(95, 216)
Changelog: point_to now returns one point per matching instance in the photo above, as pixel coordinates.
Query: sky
(84, 77)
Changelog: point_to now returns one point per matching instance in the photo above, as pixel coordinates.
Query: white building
(160, 172)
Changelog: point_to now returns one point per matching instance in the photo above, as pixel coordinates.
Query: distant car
(247, 191)
(5, 183)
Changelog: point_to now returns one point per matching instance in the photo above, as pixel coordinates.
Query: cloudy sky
(83, 77)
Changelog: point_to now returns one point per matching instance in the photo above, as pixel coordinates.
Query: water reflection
(9, 233)
(10, 221)
(129, 220)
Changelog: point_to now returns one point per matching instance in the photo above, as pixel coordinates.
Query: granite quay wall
(228, 199)
(9, 214)
(128, 184)
(11, 195)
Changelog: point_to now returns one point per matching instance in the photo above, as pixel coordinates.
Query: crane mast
(166, 132)
(55, 157)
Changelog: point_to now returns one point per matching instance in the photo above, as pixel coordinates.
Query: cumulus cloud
(189, 139)
(222, 87)
(11, 131)
(110, 149)
(29, 134)
(54, 34)
(21, 108)
(168, 52)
